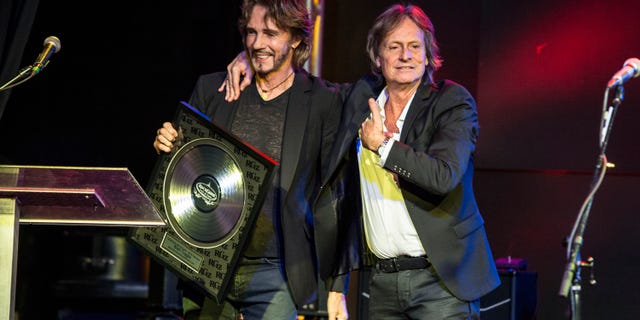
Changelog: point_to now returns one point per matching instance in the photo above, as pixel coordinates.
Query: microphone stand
(25, 74)
(572, 278)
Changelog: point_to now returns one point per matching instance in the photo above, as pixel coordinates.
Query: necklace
(265, 92)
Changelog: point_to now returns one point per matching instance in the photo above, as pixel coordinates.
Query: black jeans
(258, 291)
(415, 294)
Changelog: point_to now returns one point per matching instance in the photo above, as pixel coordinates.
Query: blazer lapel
(295, 129)
(418, 106)
(357, 111)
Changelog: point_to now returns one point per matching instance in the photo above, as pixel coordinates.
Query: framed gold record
(209, 190)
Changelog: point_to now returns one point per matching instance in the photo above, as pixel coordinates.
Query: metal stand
(25, 74)
(63, 196)
(9, 213)
(571, 280)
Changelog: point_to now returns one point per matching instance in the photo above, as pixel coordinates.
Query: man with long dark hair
(292, 117)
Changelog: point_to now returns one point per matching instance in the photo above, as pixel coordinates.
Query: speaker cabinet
(514, 299)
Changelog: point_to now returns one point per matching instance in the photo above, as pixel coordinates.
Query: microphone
(630, 69)
(51, 46)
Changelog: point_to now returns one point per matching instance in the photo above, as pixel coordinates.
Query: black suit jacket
(434, 163)
(311, 123)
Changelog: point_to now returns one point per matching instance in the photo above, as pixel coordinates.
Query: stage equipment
(63, 196)
(51, 45)
(630, 69)
(210, 189)
(314, 64)
(514, 299)
(570, 285)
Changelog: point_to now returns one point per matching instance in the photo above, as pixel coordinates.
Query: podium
(50, 195)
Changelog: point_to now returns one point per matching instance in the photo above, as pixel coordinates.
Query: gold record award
(209, 191)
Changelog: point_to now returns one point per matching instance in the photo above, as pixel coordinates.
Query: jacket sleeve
(330, 125)
(338, 283)
(440, 143)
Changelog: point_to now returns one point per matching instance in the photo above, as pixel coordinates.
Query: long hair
(389, 20)
(289, 15)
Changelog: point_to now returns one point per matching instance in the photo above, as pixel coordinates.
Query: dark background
(538, 70)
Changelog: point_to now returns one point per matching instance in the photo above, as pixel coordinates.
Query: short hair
(389, 20)
(289, 15)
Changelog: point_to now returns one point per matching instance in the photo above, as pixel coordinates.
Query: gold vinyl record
(204, 193)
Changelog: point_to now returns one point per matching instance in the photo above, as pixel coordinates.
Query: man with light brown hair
(409, 142)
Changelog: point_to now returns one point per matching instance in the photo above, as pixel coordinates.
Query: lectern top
(95, 196)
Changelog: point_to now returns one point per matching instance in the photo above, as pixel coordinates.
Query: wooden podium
(64, 196)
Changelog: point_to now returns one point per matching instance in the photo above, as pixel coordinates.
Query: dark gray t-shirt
(261, 124)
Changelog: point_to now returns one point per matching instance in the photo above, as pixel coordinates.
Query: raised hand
(372, 133)
(239, 76)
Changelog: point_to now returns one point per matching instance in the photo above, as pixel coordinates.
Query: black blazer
(434, 163)
(310, 127)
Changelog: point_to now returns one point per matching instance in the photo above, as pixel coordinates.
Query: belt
(402, 263)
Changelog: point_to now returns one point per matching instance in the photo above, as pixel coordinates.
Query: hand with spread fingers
(164, 138)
